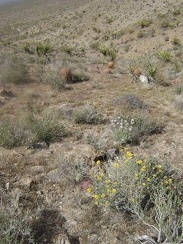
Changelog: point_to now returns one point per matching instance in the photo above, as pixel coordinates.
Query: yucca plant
(44, 49)
(164, 55)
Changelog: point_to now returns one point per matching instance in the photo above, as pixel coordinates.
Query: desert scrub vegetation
(132, 129)
(164, 55)
(14, 133)
(16, 71)
(47, 128)
(44, 49)
(145, 23)
(72, 168)
(144, 188)
(54, 80)
(110, 52)
(88, 115)
(79, 76)
(130, 101)
(68, 49)
(15, 226)
(31, 128)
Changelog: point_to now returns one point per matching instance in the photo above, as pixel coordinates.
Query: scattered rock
(66, 75)
(110, 65)
(137, 72)
(144, 79)
(85, 184)
(112, 153)
(6, 93)
(39, 145)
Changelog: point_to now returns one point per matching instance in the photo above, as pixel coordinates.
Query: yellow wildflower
(136, 176)
(154, 175)
(139, 162)
(115, 183)
(99, 178)
(160, 170)
(96, 197)
(148, 179)
(96, 203)
(98, 162)
(114, 190)
(107, 203)
(143, 169)
(89, 189)
(170, 181)
(129, 155)
(108, 190)
(166, 182)
(103, 195)
(101, 175)
(115, 165)
(144, 184)
(159, 166)
(108, 181)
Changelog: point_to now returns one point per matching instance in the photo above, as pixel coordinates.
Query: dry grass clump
(16, 71)
(31, 128)
(72, 168)
(53, 78)
(88, 115)
(145, 188)
(15, 226)
(14, 133)
(79, 76)
(145, 23)
(47, 128)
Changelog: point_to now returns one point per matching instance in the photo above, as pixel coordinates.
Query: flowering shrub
(131, 130)
(143, 187)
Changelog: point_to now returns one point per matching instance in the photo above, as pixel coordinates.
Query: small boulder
(66, 75)
(111, 65)
(137, 72)
(6, 93)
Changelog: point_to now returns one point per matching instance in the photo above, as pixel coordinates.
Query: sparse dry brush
(16, 71)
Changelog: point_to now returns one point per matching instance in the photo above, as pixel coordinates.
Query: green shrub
(16, 71)
(14, 133)
(110, 52)
(15, 226)
(53, 79)
(68, 49)
(47, 128)
(44, 49)
(79, 76)
(88, 115)
(145, 23)
(176, 12)
(164, 55)
(131, 130)
(176, 41)
(151, 69)
(143, 187)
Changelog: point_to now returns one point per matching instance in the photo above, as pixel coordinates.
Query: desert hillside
(91, 122)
